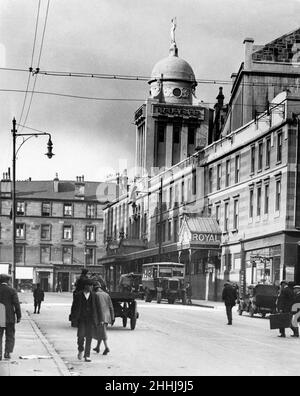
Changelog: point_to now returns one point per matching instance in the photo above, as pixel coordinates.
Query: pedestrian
(79, 284)
(284, 304)
(229, 296)
(58, 287)
(85, 316)
(11, 313)
(189, 293)
(38, 295)
(107, 316)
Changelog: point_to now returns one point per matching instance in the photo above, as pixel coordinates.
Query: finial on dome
(173, 48)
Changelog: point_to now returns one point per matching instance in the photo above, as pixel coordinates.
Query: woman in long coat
(107, 316)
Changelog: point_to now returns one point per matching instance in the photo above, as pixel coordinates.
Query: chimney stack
(56, 184)
(79, 187)
(248, 42)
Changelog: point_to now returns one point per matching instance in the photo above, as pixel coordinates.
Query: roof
(207, 225)
(66, 190)
(173, 68)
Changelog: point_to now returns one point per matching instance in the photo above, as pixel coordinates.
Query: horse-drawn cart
(125, 307)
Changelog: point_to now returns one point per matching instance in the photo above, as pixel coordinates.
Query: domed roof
(173, 68)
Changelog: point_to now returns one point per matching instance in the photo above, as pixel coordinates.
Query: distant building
(59, 229)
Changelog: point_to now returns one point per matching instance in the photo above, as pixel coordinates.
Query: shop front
(199, 249)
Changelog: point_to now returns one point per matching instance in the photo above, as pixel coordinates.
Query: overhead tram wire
(32, 56)
(38, 64)
(137, 78)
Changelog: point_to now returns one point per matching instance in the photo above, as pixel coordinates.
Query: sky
(94, 137)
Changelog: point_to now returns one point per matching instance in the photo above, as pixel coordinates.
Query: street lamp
(49, 154)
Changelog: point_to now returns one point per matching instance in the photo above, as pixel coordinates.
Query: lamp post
(49, 154)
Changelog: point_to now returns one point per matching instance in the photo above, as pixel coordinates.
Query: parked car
(259, 299)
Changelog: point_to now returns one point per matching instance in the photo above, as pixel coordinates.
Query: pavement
(34, 356)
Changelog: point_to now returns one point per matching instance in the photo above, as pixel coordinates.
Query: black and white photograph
(149, 191)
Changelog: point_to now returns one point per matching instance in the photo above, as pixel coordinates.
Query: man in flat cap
(85, 316)
(10, 313)
(284, 304)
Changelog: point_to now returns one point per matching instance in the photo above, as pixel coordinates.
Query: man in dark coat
(38, 295)
(85, 316)
(10, 305)
(79, 285)
(284, 304)
(229, 296)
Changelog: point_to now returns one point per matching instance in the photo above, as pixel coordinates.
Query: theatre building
(216, 189)
(59, 230)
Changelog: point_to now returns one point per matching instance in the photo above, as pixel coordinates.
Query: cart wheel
(124, 322)
(263, 314)
(171, 300)
(134, 315)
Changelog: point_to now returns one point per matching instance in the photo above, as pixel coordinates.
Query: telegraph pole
(160, 219)
(49, 154)
(13, 210)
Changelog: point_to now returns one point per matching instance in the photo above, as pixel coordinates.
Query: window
(145, 223)
(258, 208)
(210, 179)
(20, 231)
(91, 211)
(237, 169)
(279, 146)
(194, 182)
(278, 195)
(20, 208)
(175, 229)
(260, 155)
(45, 254)
(226, 213)
(218, 213)
(89, 256)
(163, 236)
(219, 177)
(46, 232)
(169, 230)
(46, 209)
(171, 197)
(90, 234)
(227, 178)
(68, 210)
(67, 233)
(161, 133)
(268, 151)
(182, 191)
(191, 136)
(236, 214)
(176, 134)
(20, 254)
(267, 192)
(251, 199)
(252, 166)
(67, 254)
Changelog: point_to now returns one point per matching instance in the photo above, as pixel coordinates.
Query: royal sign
(206, 238)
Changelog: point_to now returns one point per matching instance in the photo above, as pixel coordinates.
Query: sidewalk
(208, 304)
(30, 343)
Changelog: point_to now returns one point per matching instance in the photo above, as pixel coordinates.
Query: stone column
(184, 142)
(169, 140)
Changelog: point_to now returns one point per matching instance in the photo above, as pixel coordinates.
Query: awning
(198, 231)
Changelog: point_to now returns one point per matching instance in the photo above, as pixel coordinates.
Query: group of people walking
(92, 310)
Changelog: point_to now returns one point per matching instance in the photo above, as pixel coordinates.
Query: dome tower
(169, 127)
(172, 78)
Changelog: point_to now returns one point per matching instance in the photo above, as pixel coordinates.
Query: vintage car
(259, 299)
(164, 281)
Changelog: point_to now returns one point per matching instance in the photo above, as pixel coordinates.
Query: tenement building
(215, 189)
(59, 230)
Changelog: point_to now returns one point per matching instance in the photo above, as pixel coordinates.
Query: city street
(170, 340)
